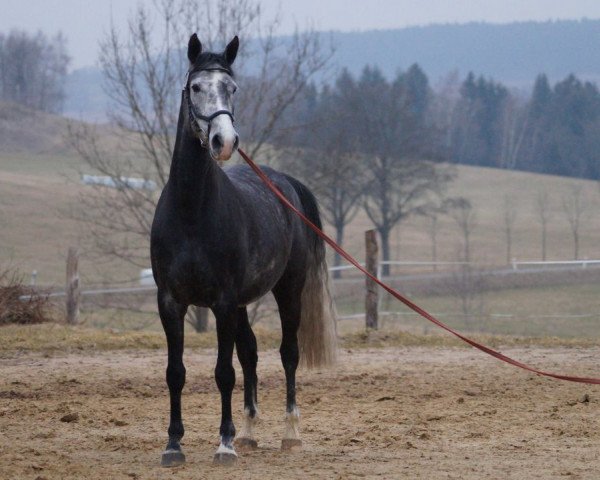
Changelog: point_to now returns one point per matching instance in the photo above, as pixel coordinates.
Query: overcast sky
(84, 21)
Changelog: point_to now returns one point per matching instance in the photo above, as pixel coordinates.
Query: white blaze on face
(212, 91)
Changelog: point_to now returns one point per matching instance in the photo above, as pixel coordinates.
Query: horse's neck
(195, 177)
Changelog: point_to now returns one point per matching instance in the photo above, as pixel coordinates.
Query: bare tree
(331, 174)
(444, 106)
(542, 208)
(467, 283)
(433, 214)
(328, 160)
(433, 232)
(515, 126)
(399, 142)
(33, 69)
(143, 77)
(464, 216)
(575, 208)
(400, 188)
(509, 214)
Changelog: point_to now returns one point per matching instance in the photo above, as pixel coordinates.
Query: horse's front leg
(226, 316)
(171, 316)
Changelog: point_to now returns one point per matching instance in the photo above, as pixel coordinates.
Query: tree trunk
(433, 233)
(543, 242)
(385, 249)
(508, 247)
(198, 318)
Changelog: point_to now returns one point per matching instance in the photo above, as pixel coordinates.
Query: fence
(468, 294)
(560, 263)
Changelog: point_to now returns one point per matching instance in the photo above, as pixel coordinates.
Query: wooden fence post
(371, 298)
(72, 288)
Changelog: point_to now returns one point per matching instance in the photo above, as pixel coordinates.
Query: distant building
(121, 182)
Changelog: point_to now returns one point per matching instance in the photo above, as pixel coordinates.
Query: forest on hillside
(33, 70)
(474, 121)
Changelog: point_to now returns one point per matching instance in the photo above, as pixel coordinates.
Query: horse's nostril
(236, 142)
(217, 143)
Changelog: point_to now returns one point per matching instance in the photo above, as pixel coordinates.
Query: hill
(511, 53)
(26, 130)
(39, 184)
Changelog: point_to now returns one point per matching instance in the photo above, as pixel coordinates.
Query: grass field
(39, 187)
(37, 191)
(565, 312)
(568, 311)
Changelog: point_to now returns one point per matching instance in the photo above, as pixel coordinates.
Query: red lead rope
(399, 296)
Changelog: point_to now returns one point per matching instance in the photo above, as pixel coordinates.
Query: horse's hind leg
(245, 343)
(227, 316)
(171, 316)
(288, 301)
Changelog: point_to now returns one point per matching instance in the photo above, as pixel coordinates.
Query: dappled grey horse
(221, 240)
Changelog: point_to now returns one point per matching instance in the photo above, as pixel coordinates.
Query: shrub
(20, 304)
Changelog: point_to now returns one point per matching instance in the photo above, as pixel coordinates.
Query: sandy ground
(387, 413)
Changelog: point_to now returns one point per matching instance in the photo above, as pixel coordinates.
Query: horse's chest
(194, 279)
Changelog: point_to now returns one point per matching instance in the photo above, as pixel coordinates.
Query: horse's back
(278, 238)
(250, 184)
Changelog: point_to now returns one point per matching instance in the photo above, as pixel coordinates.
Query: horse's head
(209, 90)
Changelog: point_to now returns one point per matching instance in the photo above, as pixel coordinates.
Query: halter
(194, 117)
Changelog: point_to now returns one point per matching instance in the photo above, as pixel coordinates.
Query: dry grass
(55, 338)
(394, 338)
(39, 185)
(35, 194)
(24, 129)
(14, 310)
(486, 188)
(52, 339)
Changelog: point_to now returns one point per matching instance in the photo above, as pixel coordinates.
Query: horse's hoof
(245, 443)
(226, 459)
(291, 444)
(172, 458)
(225, 456)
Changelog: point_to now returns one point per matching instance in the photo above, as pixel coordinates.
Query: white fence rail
(556, 263)
(146, 280)
(422, 264)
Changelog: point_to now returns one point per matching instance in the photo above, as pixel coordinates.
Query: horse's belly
(261, 278)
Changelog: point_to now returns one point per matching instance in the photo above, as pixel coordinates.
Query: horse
(220, 239)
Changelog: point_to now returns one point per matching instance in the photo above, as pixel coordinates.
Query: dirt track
(387, 413)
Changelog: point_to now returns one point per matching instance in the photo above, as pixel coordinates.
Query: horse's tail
(317, 334)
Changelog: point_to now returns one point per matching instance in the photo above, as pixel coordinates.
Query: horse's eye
(196, 88)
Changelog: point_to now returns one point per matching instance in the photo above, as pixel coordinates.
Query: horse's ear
(232, 49)
(194, 48)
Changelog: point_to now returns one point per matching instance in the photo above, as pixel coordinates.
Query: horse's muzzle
(222, 144)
